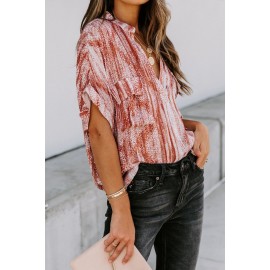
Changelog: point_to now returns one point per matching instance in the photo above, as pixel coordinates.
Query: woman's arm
(191, 124)
(201, 146)
(106, 158)
(97, 109)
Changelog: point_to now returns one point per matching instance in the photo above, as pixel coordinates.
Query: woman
(137, 142)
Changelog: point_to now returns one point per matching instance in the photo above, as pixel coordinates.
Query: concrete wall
(63, 126)
(196, 29)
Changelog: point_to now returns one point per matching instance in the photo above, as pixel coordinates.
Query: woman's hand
(201, 145)
(122, 231)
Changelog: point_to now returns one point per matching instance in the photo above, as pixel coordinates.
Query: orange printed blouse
(114, 73)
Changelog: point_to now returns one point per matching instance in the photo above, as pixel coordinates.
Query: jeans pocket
(195, 164)
(143, 183)
(196, 175)
(200, 169)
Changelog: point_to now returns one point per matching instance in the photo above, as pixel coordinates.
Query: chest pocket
(133, 104)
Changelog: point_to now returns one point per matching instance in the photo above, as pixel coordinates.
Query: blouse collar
(124, 25)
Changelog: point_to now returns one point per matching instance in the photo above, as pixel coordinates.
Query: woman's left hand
(201, 145)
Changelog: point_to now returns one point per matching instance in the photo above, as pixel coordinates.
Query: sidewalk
(212, 251)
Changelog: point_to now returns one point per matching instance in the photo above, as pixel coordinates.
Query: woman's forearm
(106, 158)
(191, 124)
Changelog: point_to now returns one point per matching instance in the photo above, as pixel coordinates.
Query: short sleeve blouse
(113, 72)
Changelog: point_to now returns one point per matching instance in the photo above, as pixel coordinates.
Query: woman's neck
(127, 13)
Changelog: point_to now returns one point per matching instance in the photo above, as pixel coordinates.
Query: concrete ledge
(211, 109)
(76, 208)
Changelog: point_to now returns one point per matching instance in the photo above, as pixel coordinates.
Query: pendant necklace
(149, 51)
(148, 48)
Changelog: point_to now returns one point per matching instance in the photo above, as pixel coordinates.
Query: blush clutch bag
(96, 258)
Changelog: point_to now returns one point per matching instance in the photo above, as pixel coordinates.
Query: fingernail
(110, 261)
(123, 262)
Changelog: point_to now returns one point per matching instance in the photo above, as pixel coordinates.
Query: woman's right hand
(122, 231)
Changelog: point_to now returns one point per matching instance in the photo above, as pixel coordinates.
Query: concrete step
(76, 208)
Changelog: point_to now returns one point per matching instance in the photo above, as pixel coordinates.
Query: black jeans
(167, 201)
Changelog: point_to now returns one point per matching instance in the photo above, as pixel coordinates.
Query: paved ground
(212, 252)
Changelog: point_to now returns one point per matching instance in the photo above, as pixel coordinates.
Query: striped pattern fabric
(113, 72)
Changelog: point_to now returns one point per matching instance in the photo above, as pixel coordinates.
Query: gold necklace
(148, 48)
(149, 51)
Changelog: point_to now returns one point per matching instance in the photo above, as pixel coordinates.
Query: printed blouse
(114, 73)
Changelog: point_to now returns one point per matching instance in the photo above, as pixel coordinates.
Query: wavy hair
(153, 20)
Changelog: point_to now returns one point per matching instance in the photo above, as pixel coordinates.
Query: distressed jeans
(167, 202)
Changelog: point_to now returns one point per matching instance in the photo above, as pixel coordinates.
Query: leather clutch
(96, 258)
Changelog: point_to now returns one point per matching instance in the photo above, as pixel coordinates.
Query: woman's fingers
(117, 251)
(129, 251)
(111, 247)
(201, 161)
(201, 145)
(122, 233)
(202, 157)
(110, 239)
